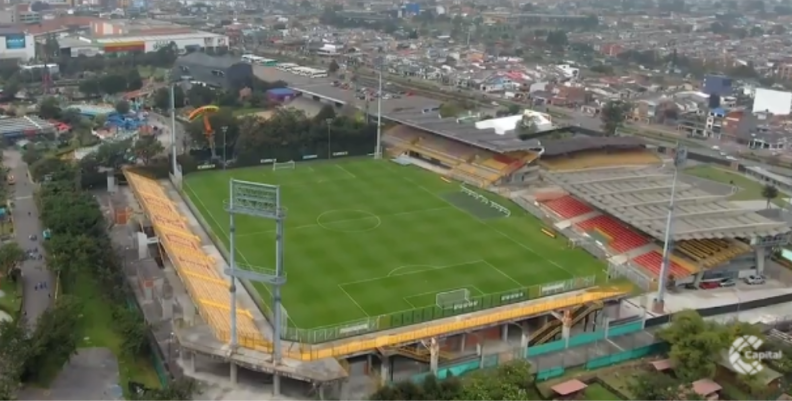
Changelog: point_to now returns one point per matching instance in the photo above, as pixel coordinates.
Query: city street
(26, 224)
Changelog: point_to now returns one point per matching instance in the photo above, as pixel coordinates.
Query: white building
(16, 44)
(152, 43)
(771, 101)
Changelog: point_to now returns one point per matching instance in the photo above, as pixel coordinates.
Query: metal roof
(640, 197)
(581, 143)
(24, 124)
(464, 132)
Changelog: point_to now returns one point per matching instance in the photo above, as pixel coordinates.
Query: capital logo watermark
(745, 357)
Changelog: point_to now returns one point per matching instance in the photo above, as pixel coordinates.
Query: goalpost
(485, 200)
(289, 165)
(449, 299)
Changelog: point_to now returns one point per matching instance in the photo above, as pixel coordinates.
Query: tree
(769, 193)
(14, 352)
(326, 113)
(100, 120)
(122, 107)
(613, 115)
(450, 109)
(90, 87)
(147, 147)
(696, 345)
(11, 88)
(49, 108)
(659, 386)
(223, 118)
(557, 39)
(114, 154)
(333, 67)
(55, 337)
(514, 109)
(177, 390)
(11, 254)
(527, 128)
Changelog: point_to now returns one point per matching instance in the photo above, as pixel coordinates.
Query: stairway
(544, 335)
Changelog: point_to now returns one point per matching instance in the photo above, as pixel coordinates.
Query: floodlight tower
(262, 201)
(680, 156)
(378, 151)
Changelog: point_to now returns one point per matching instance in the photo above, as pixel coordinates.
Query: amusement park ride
(205, 113)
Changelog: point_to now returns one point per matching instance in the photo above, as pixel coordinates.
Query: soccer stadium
(459, 233)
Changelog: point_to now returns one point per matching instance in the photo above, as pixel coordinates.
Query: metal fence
(429, 313)
(592, 350)
(628, 271)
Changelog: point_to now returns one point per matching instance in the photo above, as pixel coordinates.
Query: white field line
(505, 275)
(345, 170)
(368, 280)
(353, 301)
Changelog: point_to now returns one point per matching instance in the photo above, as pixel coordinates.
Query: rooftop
(640, 197)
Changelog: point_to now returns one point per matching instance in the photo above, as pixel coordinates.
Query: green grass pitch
(368, 237)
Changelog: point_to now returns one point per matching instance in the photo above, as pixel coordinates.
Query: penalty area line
(353, 300)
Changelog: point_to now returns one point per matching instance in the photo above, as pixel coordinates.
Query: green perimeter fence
(397, 319)
(583, 339)
(429, 313)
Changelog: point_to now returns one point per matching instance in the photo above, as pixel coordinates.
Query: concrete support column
(505, 333)
(760, 260)
(434, 355)
(142, 244)
(189, 361)
(566, 327)
(233, 373)
(524, 340)
(462, 342)
(385, 373)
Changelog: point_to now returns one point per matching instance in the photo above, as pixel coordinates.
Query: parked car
(727, 282)
(754, 280)
(708, 285)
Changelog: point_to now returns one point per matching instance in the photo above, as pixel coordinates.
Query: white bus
(316, 73)
(287, 66)
(303, 71)
(250, 58)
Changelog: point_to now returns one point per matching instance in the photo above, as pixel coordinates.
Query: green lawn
(11, 300)
(597, 391)
(368, 237)
(749, 189)
(97, 330)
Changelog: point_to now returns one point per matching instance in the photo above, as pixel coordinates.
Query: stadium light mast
(680, 156)
(262, 201)
(378, 150)
(173, 126)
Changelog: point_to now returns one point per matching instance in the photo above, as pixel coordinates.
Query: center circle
(348, 221)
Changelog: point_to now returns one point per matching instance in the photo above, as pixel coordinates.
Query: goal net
(448, 299)
(289, 165)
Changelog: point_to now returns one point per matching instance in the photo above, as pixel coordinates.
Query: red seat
(652, 262)
(568, 207)
(622, 238)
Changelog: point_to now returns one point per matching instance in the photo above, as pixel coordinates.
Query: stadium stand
(622, 239)
(586, 152)
(712, 252)
(568, 207)
(443, 150)
(653, 262)
(206, 286)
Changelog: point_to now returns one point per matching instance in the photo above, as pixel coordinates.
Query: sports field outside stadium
(369, 237)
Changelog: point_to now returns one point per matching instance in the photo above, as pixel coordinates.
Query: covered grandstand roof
(581, 143)
(464, 131)
(640, 197)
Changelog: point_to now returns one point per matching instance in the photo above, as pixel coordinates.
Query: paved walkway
(26, 223)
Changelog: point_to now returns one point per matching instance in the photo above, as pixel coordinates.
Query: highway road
(39, 283)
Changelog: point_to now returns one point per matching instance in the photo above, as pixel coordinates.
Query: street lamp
(329, 138)
(225, 145)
